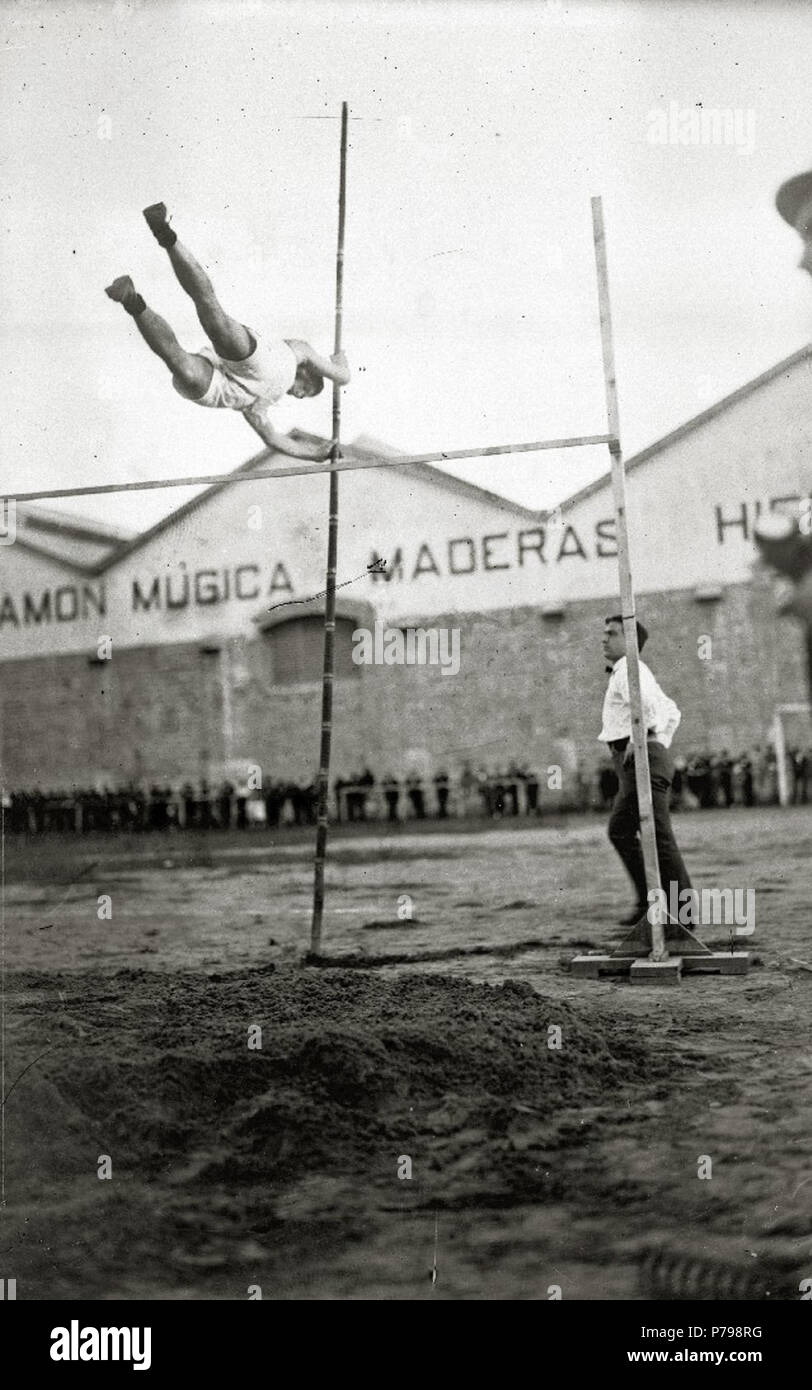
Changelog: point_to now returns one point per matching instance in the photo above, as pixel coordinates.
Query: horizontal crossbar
(301, 469)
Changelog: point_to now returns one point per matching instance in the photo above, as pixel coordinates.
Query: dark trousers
(624, 822)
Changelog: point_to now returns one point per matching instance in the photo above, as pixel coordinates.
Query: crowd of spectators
(514, 789)
(750, 779)
(204, 806)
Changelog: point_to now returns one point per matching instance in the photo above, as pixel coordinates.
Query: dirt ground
(554, 1128)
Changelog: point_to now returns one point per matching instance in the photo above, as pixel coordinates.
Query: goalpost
(778, 732)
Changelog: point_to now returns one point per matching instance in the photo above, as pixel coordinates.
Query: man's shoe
(123, 291)
(158, 223)
(120, 289)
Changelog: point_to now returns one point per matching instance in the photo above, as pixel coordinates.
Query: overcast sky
(470, 302)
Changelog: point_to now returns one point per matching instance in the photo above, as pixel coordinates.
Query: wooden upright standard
(649, 935)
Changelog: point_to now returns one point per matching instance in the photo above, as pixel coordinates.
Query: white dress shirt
(659, 712)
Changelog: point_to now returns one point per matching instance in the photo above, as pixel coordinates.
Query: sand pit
(220, 1153)
(532, 1166)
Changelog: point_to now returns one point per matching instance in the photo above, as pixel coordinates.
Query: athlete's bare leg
(228, 337)
(191, 372)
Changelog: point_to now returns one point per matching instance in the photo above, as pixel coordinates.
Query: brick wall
(528, 687)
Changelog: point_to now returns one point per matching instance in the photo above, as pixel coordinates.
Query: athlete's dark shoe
(123, 291)
(120, 289)
(158, 223)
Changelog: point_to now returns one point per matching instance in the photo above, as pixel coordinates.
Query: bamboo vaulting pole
(332, 561)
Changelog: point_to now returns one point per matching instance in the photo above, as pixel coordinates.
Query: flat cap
(792, 195)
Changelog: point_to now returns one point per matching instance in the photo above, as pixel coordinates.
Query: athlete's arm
(334, 368)
(294, 448)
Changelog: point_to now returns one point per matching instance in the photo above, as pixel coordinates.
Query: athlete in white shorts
(240, 371)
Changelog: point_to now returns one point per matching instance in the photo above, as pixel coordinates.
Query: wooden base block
(586, 967)
(592, 967)
(657, 972)
(644, 971)
(719, 963)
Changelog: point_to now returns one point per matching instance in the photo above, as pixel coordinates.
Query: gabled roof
(186, 509)
(803, 354)
(367, 447)
(422, 472)
(696, 422)
(75, 543)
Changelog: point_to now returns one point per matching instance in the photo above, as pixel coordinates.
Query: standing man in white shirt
(661, 718)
